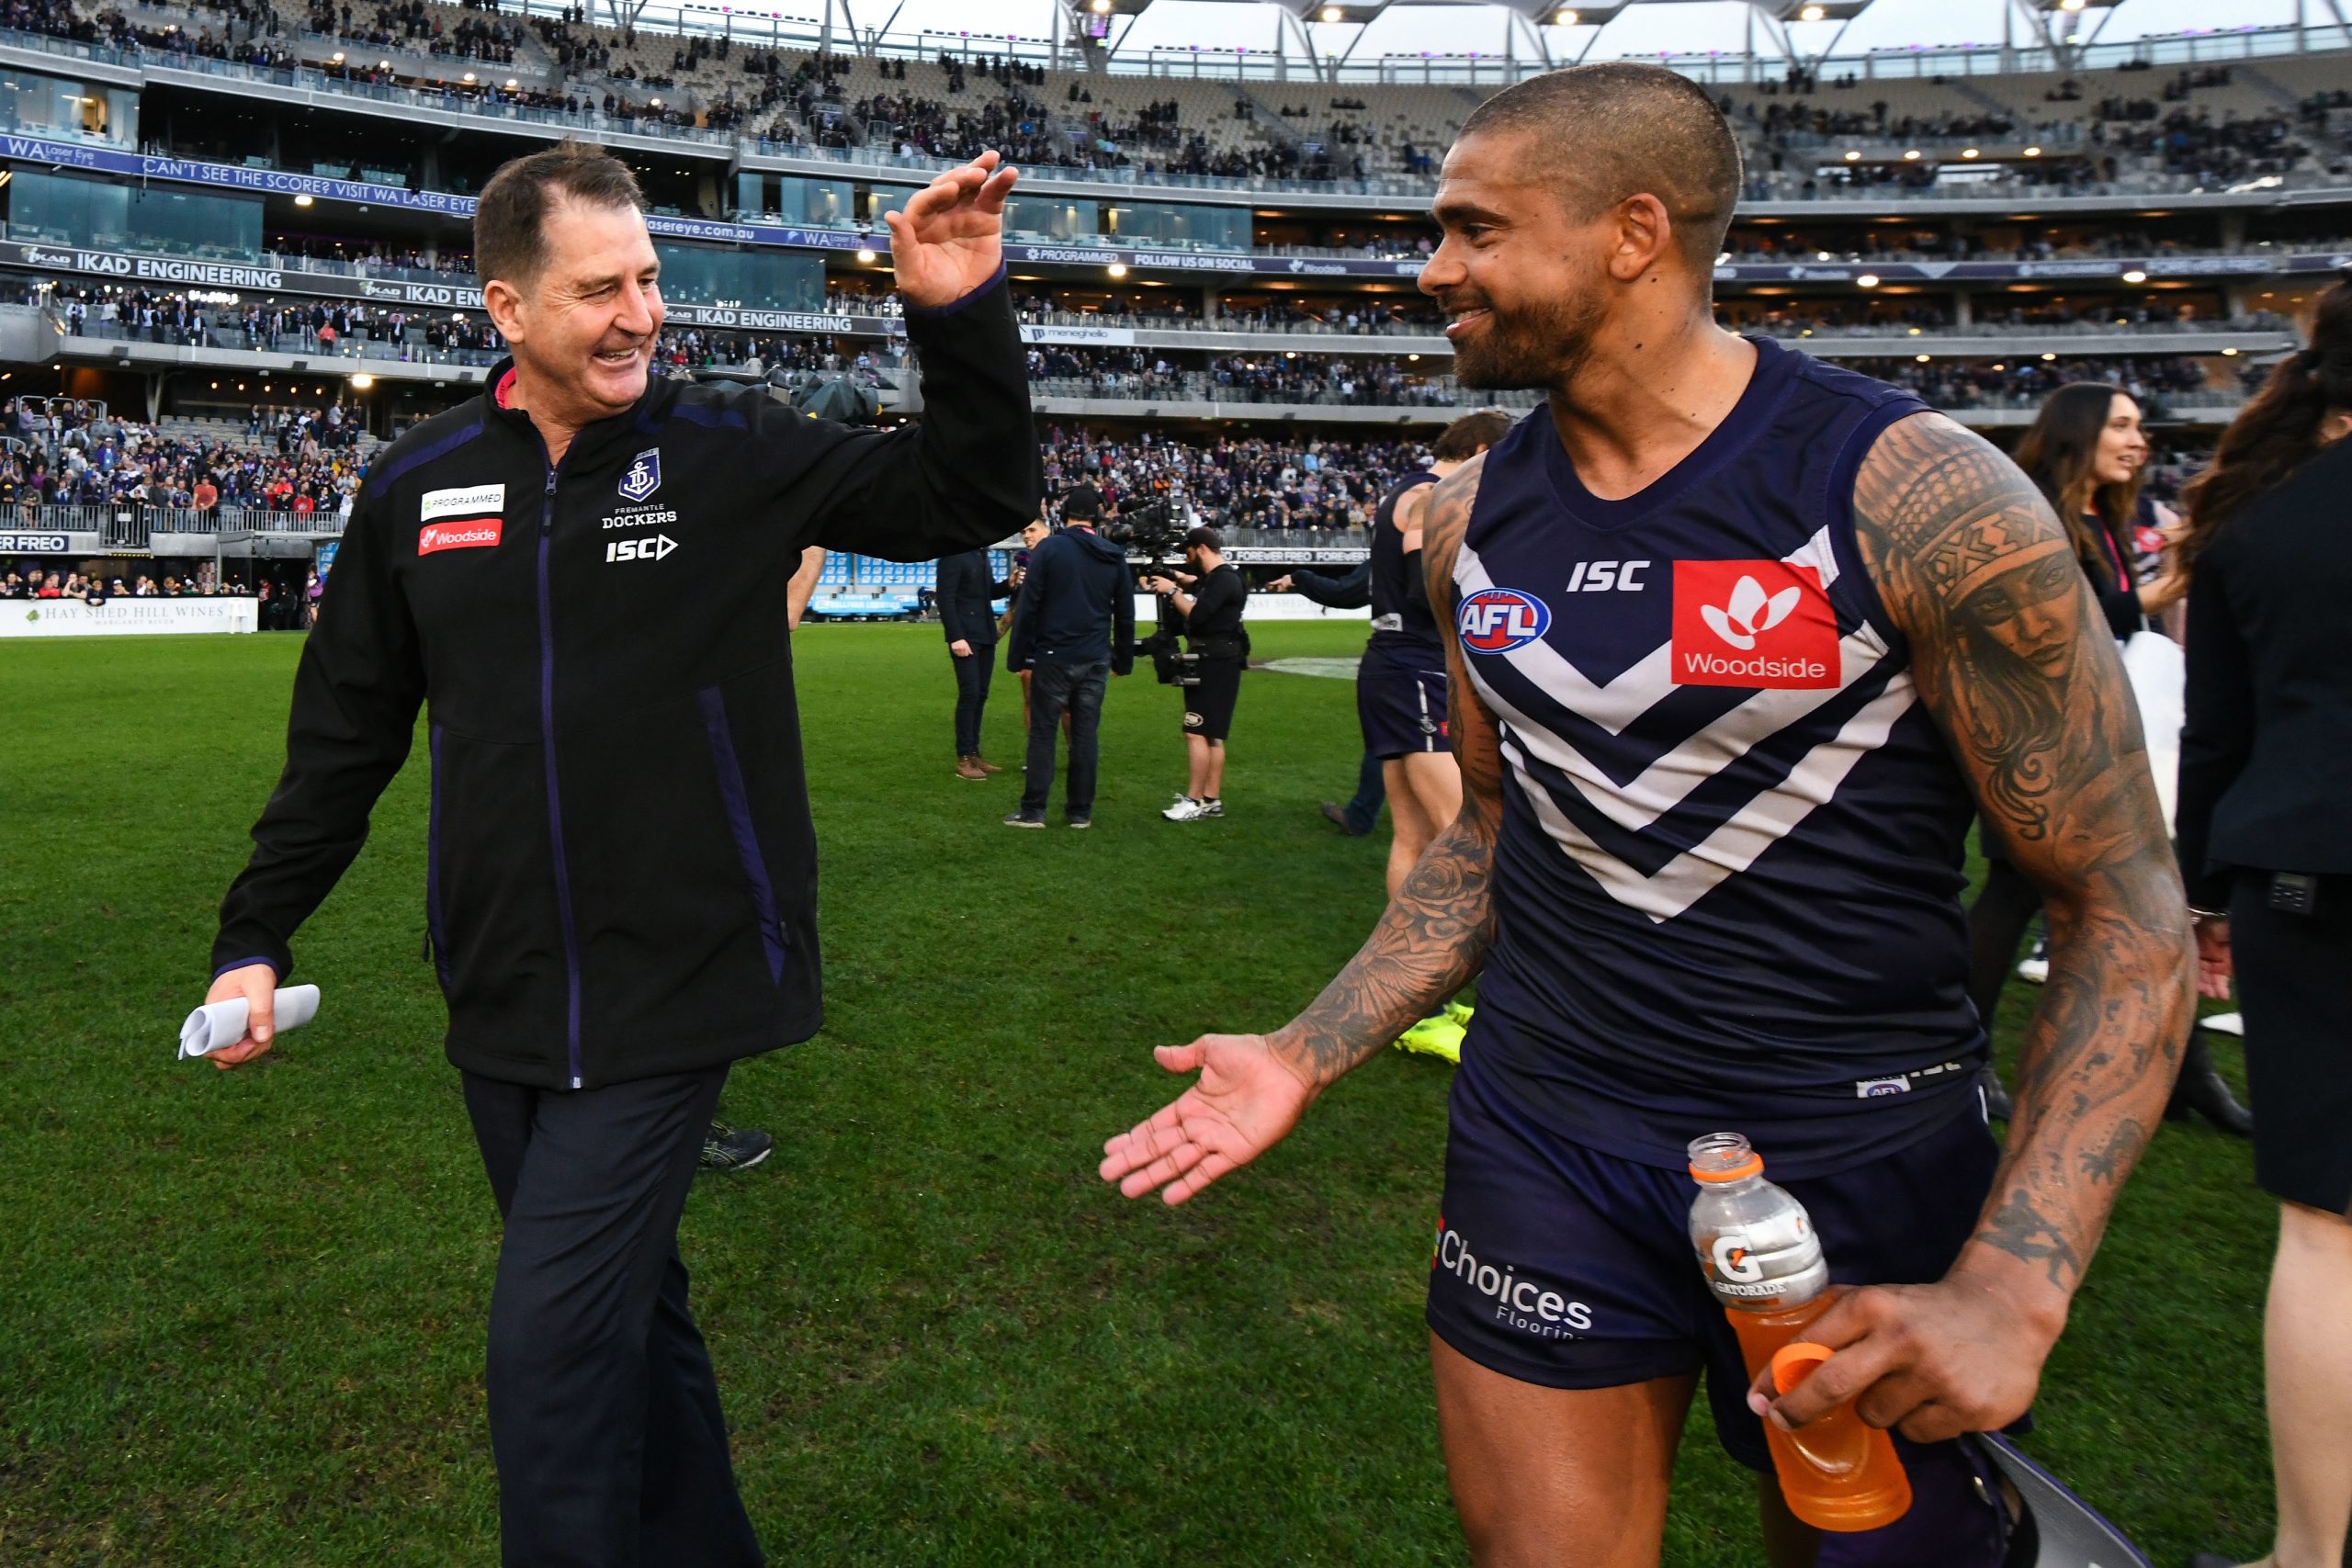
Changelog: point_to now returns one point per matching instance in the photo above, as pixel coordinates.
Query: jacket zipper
(555, 795)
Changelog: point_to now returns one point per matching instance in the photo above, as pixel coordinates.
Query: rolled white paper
(216, 1026)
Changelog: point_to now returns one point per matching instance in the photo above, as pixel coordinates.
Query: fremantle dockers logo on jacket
(644, 476)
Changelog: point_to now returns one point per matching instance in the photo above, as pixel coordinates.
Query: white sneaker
(1213, 809)
(1186, 809)
(2035, 970)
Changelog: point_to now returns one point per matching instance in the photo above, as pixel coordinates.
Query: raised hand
(949, 239)
(1245, 1101)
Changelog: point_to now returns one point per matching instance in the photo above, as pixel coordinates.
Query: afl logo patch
(1496, 620)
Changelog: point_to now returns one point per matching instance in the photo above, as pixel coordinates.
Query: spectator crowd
(67, 453)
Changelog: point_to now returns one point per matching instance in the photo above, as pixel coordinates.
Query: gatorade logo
(1761, 623)
(1733, 1262)
(435, 537)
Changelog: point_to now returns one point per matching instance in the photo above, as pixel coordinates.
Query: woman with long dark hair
(2085, 452)
(2266, 845)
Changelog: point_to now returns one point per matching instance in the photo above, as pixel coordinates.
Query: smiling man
(1737, 642)
(584, 575)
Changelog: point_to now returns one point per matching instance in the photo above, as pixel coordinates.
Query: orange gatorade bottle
(1764, 1263)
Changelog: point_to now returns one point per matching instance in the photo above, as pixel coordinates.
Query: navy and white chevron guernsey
(1729, 881)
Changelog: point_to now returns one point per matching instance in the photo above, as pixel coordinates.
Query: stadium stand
(1216, 273)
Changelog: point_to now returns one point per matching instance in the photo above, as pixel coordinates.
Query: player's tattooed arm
(2016, 664)
(1433, 936)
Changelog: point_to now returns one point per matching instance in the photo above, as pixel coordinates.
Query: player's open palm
(1244, 1102)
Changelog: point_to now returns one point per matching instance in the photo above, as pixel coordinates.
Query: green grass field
(243, 1311)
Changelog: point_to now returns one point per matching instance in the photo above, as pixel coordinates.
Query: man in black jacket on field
(620, 882)
(968, 614)
(1075, 623)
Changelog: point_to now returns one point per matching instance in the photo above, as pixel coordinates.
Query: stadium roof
(1565, 31)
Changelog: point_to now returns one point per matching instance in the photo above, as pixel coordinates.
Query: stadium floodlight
(1090, 9)
(1338, 12)
(1568, 13)
(1818, 10)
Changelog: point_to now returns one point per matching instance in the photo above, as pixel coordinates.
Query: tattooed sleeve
(2015, 661)
(1433, 936)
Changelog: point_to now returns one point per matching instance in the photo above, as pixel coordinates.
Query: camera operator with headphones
(1210, 598)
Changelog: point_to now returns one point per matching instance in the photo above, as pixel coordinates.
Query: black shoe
(2201, 1090)
(726, 1147)
(1024, 818)
(1996, 1098)
(1336, 814)
(1081, 821)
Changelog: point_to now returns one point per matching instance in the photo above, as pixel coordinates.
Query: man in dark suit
(967, 612)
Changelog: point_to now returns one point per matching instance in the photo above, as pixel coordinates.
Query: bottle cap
(1793, 1362)
(1723, 1157)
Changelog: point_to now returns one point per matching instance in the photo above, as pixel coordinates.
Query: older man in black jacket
(581, 575)
(968, 614)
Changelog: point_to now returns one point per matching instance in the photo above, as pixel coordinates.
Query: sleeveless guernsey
(1396, 621)
(1727, 885)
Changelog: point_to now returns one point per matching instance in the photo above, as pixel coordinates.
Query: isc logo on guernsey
(1496, 620)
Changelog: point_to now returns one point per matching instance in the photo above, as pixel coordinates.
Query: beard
(1536, 347)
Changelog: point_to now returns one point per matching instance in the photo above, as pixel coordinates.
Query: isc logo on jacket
(1759, 624)
(653, 549)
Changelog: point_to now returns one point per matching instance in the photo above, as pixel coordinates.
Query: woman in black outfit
(2265, 844)
(2085, 452)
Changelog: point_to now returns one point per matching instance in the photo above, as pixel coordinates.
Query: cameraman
(1210, 597)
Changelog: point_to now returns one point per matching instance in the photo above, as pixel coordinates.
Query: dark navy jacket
(621, 879)
(965, 592)
(1077, 606)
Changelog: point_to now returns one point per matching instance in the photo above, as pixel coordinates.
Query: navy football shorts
(1400, 701)
(1559, 1265)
